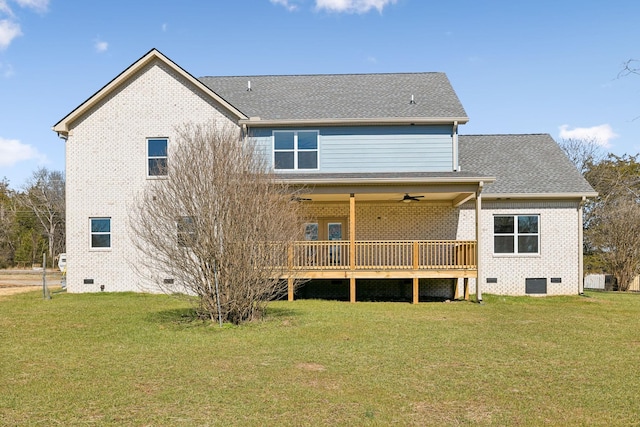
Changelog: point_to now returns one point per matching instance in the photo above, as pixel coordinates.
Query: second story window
(157, 157)
(294, 150)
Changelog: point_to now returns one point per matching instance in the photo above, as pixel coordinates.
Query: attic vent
(248, 85)
(413, 101)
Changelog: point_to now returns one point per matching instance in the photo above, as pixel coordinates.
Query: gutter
(258, 122)
(382, 181)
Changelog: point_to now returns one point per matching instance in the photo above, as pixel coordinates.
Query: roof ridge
(331, 74)
(505, 134)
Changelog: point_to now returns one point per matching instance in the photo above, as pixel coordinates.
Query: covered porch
(387, 226)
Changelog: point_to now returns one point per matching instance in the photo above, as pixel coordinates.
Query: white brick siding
(107, 165)
(559, 247)
(106, 168)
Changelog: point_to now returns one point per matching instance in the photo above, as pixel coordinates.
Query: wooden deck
(398, 259)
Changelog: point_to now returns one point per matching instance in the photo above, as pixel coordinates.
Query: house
(398, 202)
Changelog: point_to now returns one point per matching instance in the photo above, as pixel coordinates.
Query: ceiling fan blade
(407, 198)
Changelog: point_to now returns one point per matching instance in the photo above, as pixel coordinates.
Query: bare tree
(630, 66)
(219, 227)
(45, 197)
(612, 234)
(616, 233)
(582, 152)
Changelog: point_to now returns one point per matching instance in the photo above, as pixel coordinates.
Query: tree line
(32, 220)
(612, 219)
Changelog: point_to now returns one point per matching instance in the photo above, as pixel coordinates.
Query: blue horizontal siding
(378, 148)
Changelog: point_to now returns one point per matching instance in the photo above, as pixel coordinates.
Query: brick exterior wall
(559, 255)
(106, 168)
(106, 158)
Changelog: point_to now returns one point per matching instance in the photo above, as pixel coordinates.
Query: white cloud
(37, 5)
(9, 27)
(353, 6)
(13, 151)
(9, 30)
(5, 9)
(602, 135)
(164, 27)
(286, 4)
(101, 46)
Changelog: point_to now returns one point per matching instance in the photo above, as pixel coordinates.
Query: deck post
(352, 289)
(352, 246)
(352, 232)
(416, 280)
(466, 289)
(455, 288)
(479, 241)
(290, 265)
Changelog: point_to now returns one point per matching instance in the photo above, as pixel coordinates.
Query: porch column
(352, 246)
(479, 241)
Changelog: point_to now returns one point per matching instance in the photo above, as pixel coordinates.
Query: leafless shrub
(219, 226)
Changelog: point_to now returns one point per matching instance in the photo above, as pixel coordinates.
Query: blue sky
(518, 67)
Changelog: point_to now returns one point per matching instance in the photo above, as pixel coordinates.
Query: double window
(100, 233)
(516, 234)
(157, 156)
(295, 150)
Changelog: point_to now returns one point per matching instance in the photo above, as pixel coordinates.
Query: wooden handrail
(383, 255)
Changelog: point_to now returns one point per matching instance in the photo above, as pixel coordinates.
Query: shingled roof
(341, 96)
(522, 165)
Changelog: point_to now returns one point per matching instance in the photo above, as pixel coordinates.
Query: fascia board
(256, 122)
(537, 196)
(386, 181)
(62, 127)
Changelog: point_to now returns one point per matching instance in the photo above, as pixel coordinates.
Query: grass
(135, 359)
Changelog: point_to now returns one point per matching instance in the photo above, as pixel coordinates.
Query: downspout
(454, 135)
(581, 245)
(479, 241)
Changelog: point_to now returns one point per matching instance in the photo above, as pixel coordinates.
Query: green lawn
(131, 359)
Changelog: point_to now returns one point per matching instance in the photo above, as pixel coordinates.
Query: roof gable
(63, 126)
(526, 165)
(378, 98)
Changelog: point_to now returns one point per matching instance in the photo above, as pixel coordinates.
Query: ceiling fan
(408, 199)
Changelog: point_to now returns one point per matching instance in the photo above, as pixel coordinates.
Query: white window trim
(515, 253)
(295, 149)
(91, 234)
(148, 157)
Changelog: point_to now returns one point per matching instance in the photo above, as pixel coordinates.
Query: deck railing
(384, 255)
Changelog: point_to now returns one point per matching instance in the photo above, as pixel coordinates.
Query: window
(157, 156)
(295, 149)
(100, 233)
(516, 234)
(186, 227)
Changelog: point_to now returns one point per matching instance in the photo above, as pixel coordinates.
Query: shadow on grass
(178, 316)
(279, 312)
(188, 317)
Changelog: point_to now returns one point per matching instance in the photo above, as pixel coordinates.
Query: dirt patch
(14, 282)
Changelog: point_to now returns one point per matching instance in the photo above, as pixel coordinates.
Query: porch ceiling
(454, 187)
(390, 197)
